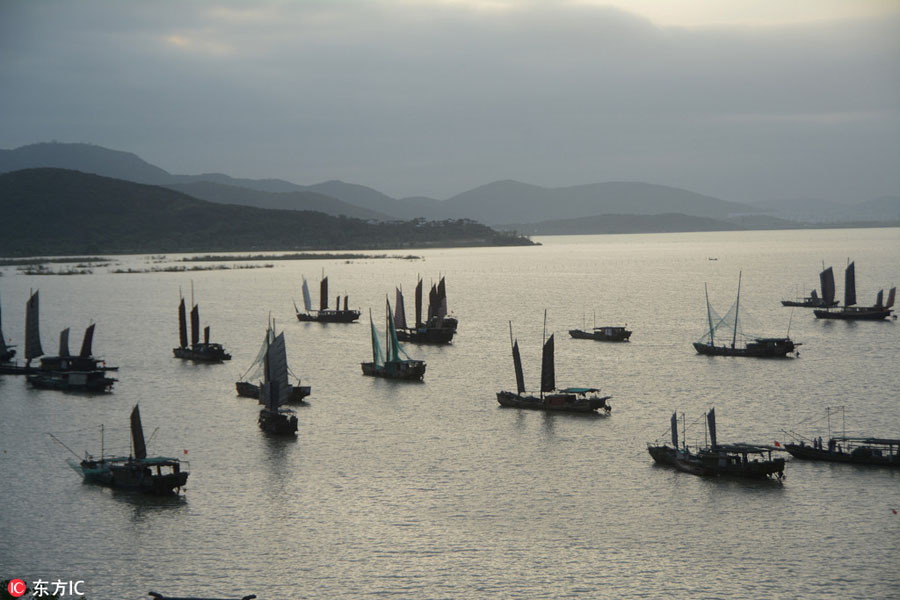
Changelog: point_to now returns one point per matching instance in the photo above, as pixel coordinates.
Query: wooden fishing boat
(604, 333)
(571, 399)
(393, 362)
(324, 314)
(275, 391)
(247, 389)
(826, 280)
(436, 328)
(858, 450)
(849, 312)
(198, 351)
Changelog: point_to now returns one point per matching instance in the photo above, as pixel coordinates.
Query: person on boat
(820, 442)
(831, 444)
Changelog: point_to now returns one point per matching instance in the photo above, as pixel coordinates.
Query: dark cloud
(433, 99)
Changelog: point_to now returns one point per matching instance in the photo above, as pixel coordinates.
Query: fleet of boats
(850, 311)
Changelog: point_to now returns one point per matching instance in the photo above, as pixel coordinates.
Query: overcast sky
(744, 100)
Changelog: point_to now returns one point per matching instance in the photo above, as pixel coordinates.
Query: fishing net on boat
(377, 349)
(255, 370)
(722, 329)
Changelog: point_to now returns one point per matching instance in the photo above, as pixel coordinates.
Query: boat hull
(682, 461)
(554, 402)
(427, 335)
(808, 303)
(214, 353)
(329, 316)
(762, 348)
(246, 389)
(602, 334)
(855, 314)
(72, 381)
(716, 464)
(407, 370)
(127, 474)
(277, 423)
(858, 456)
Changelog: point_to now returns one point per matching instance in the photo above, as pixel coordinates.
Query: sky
(743, 100)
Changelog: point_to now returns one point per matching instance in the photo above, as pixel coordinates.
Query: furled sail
(64, 342)
(850, 285)
(675, 430)
(323, 294)
(182, 325)
(195, 326)
(548, 369)
(32, 328)
(88, 342)
(826, 279)
(711, 421)
(137, 434)
(400, 315)
(307, 301)
(517, 364)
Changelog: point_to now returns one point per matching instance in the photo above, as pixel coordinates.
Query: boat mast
(712, 340)
(543, 349)
(737, 310)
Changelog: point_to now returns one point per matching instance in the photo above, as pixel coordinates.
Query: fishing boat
(33, 348)
(393, 362)
(137, 472)
(850, 312)
(247, 389)
(571, 399)
(826, 280)
(718, 460)
(275, 390)
(83, 361)
(858, 450)
(437, 328)
(204, 351)
(604, 333)
(71, 381)
(7, 351)
(324, 314)
(763, 347)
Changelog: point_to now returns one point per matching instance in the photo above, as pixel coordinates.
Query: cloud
(436, 97)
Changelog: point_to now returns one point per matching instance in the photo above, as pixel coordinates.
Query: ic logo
(16, 588)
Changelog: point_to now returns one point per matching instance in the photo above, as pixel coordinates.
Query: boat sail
(7, 351)
(83, 361)
(205, 351)
(245, 386)
(275, 390)
(33, 347)
(573, 399)
(138, 472)
(387, 362)
(850, 312)
(437, 328)
(766, 347)
(324, 314)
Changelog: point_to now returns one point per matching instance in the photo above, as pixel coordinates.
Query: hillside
(61, 212)
(605, 224)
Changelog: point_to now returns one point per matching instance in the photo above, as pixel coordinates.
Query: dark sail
(442, 299)
(137, 434)
(517, 362)
(891, 295)
(195, 325)
(879, 299)
(337, 302)
(826, 278)
(548, 370)
(323, 294)
(346, 303)
(432, 302)
(32, 328)
(64, 342)
(87, 344)
(711, 421)
(675, 430)
(419, 303)
(4, 353)
(850, 285)
(182, 325)
(206, 335)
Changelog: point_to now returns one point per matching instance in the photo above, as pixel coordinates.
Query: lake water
(432, 490)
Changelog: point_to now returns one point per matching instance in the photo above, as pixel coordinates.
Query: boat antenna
(56, 439)
(712, 340)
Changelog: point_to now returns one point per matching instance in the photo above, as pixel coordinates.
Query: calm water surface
(431, 490)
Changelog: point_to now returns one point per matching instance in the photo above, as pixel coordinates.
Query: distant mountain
(230, 194)
(816, 210)
(505, 201)
(605, 224)
(64, 212)
(366, 197)
(886, 208)
(87, 158)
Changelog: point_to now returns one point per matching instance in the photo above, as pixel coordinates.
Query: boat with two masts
(850, 312)
(740, 345)
(198, 351)
(275, 390)
(718, 460)
(571, 399)
(324, 314)
(857, 450)
(392, 362)
(137, 472)
(247, 389)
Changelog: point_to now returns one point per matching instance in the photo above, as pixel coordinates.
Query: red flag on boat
(894, 510)
(185, 450)
(777, 445)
